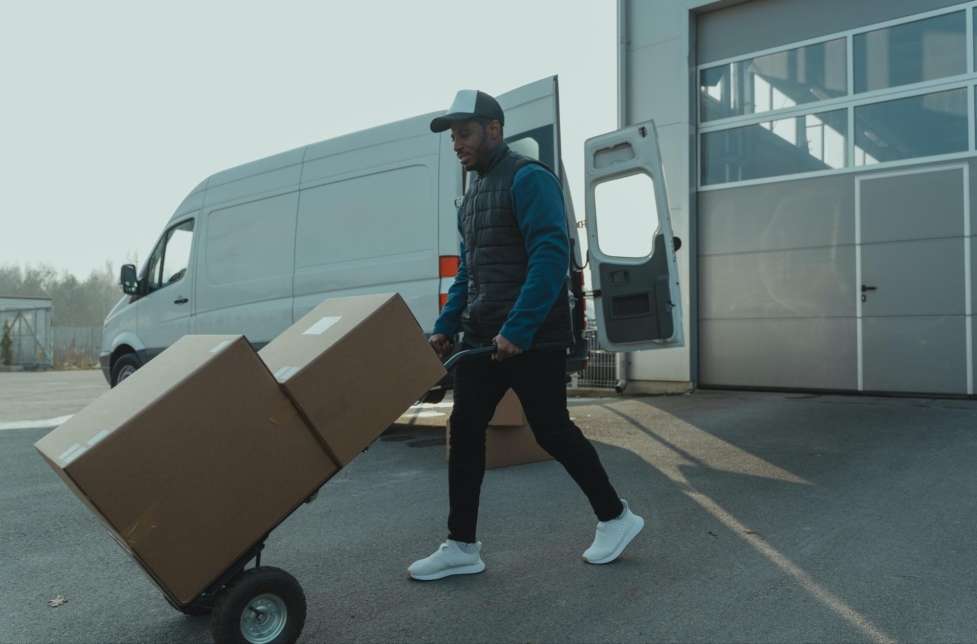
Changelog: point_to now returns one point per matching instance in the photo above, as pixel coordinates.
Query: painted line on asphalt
(47, 423)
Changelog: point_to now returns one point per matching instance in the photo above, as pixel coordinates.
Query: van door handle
(865, 288)
(181, 300)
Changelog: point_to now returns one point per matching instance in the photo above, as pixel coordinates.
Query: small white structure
(29, 323)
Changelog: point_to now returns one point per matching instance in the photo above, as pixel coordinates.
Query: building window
(802, 110)
(907, 128)
(918, 51)
(808, 143)
(775, 81)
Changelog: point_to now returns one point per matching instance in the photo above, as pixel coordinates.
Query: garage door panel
(799, 283)
(777, 216)
(914, 354)
(914, 278)
(904, 200)
(802, 353)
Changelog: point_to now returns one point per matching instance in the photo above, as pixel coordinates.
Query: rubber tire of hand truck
(225, 624)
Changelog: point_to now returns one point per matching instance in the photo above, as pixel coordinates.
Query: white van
(253, 248)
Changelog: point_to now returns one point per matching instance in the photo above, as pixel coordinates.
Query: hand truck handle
(490, 349)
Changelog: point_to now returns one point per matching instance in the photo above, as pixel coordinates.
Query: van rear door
(532, 121)
(632, 250)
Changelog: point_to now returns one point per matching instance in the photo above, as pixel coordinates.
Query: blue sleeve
(449, 322)
(538, 205)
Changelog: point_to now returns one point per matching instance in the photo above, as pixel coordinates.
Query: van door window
(170, 258)
(176, 256)
(535, 144)
(151, 276)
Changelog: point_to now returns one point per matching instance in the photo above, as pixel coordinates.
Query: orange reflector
(448, 265)
(442, 300)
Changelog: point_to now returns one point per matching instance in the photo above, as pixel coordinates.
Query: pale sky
(113, 111)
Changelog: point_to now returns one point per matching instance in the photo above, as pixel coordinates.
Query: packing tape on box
(285, 373)
(70, 454)
(97, 438)
(322, 325)
(221, 345)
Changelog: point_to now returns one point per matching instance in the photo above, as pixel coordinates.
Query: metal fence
(600, 372)
(28, 333)
(76, 346)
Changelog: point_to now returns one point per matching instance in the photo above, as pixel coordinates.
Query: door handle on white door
(181, 300)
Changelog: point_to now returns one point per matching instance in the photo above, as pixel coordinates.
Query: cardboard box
(352, 366)
(191, 460)
(507, 446)
(508, 413)
(508, 440)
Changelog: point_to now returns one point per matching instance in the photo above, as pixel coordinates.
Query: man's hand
(504, 349)
(441, 344)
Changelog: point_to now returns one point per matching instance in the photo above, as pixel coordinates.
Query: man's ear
(495, 129)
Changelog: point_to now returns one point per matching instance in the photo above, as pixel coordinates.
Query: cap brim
(442, 123)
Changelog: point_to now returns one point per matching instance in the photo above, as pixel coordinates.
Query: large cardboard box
(508, 440)
(508, 413)
(352, 366)
(191, 460)
(507, 446)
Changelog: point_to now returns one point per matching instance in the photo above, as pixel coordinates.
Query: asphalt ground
(771, 518)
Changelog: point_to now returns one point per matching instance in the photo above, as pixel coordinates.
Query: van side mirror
(129, 279)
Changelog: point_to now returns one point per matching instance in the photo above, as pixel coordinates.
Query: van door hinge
(581, 223)
(596, 293)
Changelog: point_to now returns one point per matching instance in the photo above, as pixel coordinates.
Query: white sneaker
(613, 537)
(449, 559)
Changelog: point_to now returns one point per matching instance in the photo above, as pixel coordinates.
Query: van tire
(125, 365)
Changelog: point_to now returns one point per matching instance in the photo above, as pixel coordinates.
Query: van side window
(176, 256)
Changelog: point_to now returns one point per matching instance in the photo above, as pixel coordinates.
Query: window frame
(850, 101)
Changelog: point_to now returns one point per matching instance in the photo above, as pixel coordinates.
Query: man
(511, 291)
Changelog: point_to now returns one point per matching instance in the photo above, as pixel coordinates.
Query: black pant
(539, 380)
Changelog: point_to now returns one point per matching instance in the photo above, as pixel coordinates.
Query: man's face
(472, 143)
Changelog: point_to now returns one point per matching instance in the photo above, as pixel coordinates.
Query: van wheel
(124, 367)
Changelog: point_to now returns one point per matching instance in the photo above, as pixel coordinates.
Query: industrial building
(819, 160)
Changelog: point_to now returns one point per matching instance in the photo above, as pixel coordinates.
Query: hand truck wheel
(263, 605)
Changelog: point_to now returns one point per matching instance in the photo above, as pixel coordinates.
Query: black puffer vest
(496, 258)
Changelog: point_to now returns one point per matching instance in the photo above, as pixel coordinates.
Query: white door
(912, 231)
(630, 243)
(164, 310)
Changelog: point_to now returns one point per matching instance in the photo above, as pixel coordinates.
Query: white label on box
(221, 346)
(97, 438)
(285, 373)
(71, 454)
(322, 325)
